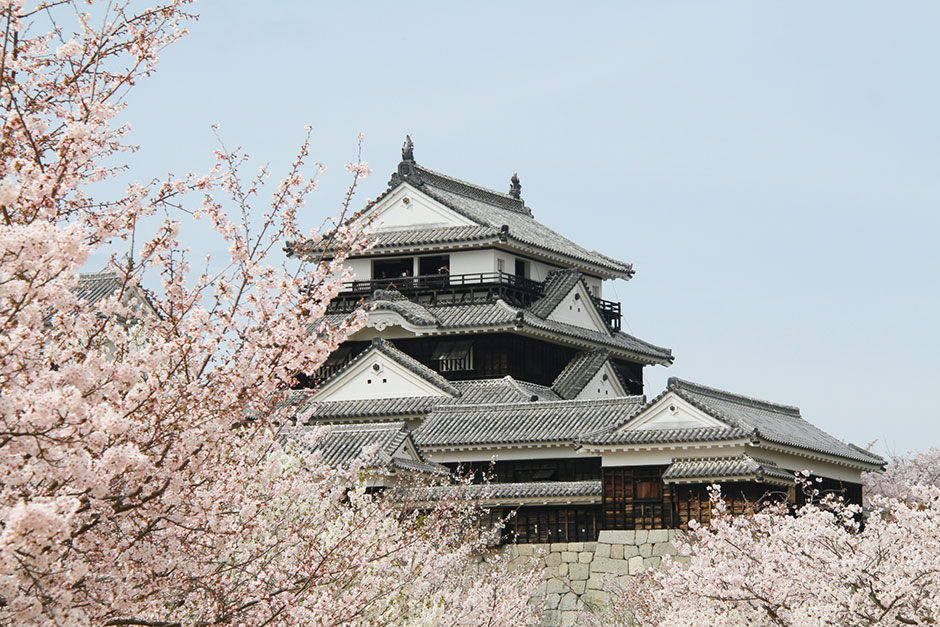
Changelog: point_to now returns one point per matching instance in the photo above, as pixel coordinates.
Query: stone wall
(576, 573)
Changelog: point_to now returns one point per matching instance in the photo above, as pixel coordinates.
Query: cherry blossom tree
(902, 472)
(145, 481)
(818, 566)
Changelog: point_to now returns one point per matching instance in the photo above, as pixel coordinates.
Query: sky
(770, 169)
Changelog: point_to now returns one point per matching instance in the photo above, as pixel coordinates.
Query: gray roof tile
(504, 390)
(339, 445)
(741, 468)
(780, 424)
(579, 372)
(513, 423)
(506, 493)
(556, 286)
(619, 435)
(478, 392)
(492, 209)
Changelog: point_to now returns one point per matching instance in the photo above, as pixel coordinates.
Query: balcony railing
(446, 289)
(477, 287)
(610, 312)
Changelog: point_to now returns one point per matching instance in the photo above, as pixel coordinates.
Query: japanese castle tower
(489, 341)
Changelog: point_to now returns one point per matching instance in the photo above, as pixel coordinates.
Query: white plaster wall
(407, 208)
(361, 269)
(595, 284)
(599, 388)
(473, 261)
(579, 312)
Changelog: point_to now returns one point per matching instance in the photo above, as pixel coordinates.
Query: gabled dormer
(383, 371)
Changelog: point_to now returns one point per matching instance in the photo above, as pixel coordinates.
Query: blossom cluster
(145, 481)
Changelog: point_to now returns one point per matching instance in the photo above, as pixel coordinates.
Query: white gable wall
(407, 208)
(365, 381)
(672, 412)
(577, 309)
(599, 387)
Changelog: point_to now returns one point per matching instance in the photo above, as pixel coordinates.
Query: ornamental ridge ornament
(408, 149)
(515, 187)
(406, 168)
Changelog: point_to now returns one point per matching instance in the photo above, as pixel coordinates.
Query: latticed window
(453, 356)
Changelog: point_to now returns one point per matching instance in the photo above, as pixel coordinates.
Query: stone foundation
(575, 574)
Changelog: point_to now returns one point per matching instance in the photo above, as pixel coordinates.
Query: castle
(489, 345)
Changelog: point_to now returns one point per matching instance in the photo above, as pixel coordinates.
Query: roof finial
(408, 149)
(515, 187)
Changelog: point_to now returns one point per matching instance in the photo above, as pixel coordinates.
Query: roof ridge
(635, 398)
(725, 395)
(459, 186)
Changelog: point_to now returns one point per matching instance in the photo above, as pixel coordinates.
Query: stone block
(578, 571)
(629, 550)
(617, 537)
(682, 559)
(663, 548)
(595, 582)
(607, 565)
(616, 551)
(558, 547)
(577, 547)
(551, 601)
(658, 535)
(553, 559)
(602, 550)
(569, 618)
(525, 549)
(590, 546)
(539, 590)
(551, 618)
(641, 536)
(560, 571)
(569, 556)
(651, 562)
(578, 587)
(635, 565)
(595, 599)
(585, 557)
(569, 602)
(555, 586)
(646, 550)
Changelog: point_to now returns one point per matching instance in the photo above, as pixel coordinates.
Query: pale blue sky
(771, 169)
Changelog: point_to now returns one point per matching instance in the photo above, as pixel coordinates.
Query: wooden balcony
(449, 289)
(442, 289)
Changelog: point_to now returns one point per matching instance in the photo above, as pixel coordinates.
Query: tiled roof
(326, 411)
(619, 435)
(339, 445)
(412, 364)
(407, 238)
(513, 423)
(556, 286)
(741, 468)
(618, 340)
(97, 286)
(478, 392)
(393, 300)
(779, 424)
(454, 317)
(495, 210)
(579, 372)
(504, 390)
(507, 493)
